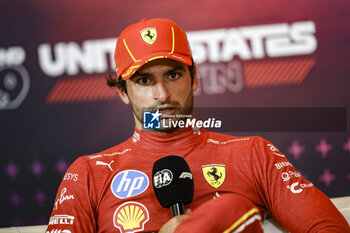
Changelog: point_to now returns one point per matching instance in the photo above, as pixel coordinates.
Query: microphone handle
(177, 209)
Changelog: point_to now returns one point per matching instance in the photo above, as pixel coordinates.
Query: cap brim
(131, 70)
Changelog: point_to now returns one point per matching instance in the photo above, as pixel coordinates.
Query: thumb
(188, 211)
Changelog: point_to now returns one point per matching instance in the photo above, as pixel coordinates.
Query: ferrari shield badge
(149, 35)
(214, 174)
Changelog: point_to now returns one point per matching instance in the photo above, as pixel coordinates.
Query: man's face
(164, 85)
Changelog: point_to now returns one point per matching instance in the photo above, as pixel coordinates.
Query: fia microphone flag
(172, 181)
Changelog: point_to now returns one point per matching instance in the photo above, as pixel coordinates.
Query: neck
(180, 139)
(170, 125)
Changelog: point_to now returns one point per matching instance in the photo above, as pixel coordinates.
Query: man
(236, 179)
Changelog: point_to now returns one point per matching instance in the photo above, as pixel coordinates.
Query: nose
(161, 93)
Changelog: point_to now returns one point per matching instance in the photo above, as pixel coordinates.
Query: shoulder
(91, 164)
(247, 144)
(107, 155)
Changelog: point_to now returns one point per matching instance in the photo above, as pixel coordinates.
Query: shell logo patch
(214, 174)
(130, 217)
(149, 35)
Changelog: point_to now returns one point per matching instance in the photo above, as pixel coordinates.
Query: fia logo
(129, 183)
(214, 174)
(163, 178)
(151, 120)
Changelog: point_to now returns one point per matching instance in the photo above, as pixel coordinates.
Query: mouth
(167, 111)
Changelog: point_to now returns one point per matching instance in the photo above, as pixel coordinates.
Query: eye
(175, 75)
(144, 81)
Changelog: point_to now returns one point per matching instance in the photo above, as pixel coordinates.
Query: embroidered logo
(105, 164)
(149, 35)
(214, 174)
(130, 217)
(129, 183)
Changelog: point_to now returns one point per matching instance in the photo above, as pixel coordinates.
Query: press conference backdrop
(55, 106)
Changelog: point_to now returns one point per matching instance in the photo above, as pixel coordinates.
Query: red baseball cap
(147, 40)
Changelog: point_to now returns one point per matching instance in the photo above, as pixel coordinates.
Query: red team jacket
(112, 191)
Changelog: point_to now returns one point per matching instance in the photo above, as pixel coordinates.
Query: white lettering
(46, 60)
(273, 40)
(289, 175)
(181, 124)
(229, 141)
(283, 164)
(272, 147)
(190, 122)
(162, 178)
(302, 186)
(217, 124)
(12, 56)
(199, 124)
(209, 123)
(257, 34)
(306, 185)
(293, 188)
(108, 155)
(300, 40)
(235, 44)
(285, 176)
(215, 46)
(63, 198)
(61, 219)
(70, 58)
(136, 184)
(129, 184)
(71, 176)
(59, 231)
(124, 182)
(205, 44)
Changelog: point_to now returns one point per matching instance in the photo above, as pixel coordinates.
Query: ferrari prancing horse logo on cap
(214, 174)
(149, 35)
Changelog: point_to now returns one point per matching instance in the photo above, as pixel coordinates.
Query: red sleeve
(227, 213)
(74, 207)
(294, 202)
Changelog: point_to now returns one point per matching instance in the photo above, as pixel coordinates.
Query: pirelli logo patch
(214, 174)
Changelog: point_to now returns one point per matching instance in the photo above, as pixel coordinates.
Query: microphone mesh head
(172, 181)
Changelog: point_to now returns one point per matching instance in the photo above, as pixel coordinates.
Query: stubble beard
(187, 110)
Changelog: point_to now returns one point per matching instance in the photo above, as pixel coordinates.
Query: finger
(188, 211)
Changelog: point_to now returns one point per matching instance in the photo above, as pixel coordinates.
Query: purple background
(39, 140)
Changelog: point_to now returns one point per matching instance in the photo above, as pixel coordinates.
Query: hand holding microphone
(173, 183)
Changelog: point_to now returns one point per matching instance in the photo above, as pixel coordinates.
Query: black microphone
(173, 183)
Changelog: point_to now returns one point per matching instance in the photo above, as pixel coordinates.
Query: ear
(123, 95)
(195, 79)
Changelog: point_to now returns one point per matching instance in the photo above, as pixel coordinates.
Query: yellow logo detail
(214, 174)
(149, 35)
(131, 70)
(131, 217)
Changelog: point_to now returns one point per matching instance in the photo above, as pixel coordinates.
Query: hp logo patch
(129, 183)
(151, 120)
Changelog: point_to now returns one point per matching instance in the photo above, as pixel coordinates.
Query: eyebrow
(176, 68)
(145, 74)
